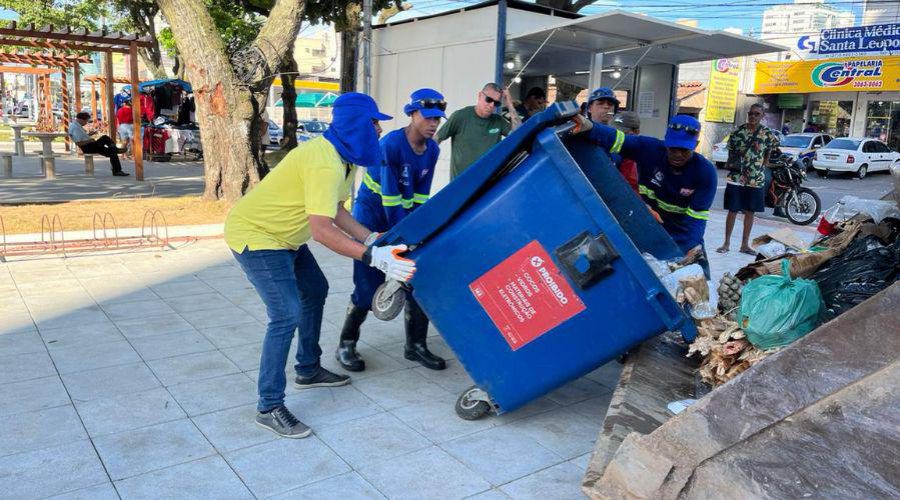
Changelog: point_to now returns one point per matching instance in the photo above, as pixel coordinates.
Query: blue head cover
(683, 132)
(428, 102)
(351, 131)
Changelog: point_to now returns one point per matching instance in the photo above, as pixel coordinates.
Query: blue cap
(428, 102)
(683, 132)
(360, 103)
(604, 93)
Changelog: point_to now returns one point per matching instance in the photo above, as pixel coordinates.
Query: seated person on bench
(103, 145)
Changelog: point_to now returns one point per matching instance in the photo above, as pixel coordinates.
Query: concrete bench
(88, 164)
(6, 160)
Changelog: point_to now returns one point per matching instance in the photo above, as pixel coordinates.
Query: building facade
(784, 23)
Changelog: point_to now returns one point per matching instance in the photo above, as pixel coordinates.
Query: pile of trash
(792, 288)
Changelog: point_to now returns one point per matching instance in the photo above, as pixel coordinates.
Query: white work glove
(370, 239)
(582, 124)
(387, 259)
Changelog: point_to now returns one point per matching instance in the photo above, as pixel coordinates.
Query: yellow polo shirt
(311, 180)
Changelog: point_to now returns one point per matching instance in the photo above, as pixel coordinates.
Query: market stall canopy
(624, 39)
(156, 83)
(312, 100)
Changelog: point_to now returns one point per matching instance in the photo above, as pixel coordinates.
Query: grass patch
(79, 215)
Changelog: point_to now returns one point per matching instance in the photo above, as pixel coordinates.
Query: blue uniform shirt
(682, 199)
(402, 183)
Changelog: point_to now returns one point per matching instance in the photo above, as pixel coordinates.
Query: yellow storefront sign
(311, 85)
(828, 75)
(721, 96)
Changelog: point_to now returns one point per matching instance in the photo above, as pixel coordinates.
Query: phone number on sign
(868, 84)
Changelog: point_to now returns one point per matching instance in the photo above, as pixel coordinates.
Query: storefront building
(850, 86)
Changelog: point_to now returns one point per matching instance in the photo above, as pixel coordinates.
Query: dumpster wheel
(388, 301)
(473, 404)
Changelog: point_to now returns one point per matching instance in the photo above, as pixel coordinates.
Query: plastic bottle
(831, 217)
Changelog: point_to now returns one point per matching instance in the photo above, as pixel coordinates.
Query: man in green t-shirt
(475, 129)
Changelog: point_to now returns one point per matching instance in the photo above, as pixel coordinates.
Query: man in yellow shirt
(268, 230)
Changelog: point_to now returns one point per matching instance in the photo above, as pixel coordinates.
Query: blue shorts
(744, 198)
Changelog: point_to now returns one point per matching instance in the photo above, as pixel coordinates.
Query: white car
(719, 155)
(860, 156)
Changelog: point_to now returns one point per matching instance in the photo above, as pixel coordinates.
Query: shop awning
(624, 39)
(312, 100)
(156, 83)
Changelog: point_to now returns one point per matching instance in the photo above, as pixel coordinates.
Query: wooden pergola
(100, 80)
(67, 39)
(53, 63)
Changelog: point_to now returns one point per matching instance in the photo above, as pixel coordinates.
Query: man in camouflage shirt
(749, 147)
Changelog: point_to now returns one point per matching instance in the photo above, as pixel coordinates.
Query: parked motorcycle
(800, 205)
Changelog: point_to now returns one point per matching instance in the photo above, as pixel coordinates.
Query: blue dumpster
(530, 267)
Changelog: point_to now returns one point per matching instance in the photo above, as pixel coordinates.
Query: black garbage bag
(865, 268)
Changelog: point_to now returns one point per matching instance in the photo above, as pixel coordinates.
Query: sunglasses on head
(491, 100)
(685, 128)
(432, 104)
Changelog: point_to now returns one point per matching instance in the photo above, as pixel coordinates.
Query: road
(830, 190)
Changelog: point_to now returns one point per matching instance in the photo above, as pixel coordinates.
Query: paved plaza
(171, 178)
(132, 375)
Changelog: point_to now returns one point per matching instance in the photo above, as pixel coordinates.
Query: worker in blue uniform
(677, 184)
(386, 196)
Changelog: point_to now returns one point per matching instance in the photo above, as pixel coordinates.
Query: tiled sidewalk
(132, 375)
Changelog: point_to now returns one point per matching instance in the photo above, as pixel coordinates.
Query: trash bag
(777, 310)
(865, 268)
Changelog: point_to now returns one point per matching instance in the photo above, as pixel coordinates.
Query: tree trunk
(288, 100)
(155, 66)
(178, 67)
(227, 111)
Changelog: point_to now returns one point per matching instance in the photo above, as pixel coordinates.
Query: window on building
(883, 122)
(831, 117)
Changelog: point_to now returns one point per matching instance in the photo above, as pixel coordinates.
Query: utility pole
(367, 46)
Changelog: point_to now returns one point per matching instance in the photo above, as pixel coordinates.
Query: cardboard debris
(725, 350)
(802, 265)
(784, 236)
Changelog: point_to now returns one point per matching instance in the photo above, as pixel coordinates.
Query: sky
(745, 15)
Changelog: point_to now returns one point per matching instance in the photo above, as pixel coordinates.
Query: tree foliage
(74, 13)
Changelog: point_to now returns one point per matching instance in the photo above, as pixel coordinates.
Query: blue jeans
(292, 286)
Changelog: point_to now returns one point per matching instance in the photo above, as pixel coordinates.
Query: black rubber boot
(416, 332)
(346, 352)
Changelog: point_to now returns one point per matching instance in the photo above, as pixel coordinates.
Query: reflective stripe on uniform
(420, 198)
(617, 145)
(391, 201)
(698, 214)
(668, 207)
(371, 184)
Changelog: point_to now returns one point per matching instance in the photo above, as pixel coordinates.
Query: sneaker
(322, 378)
(282, 422)
(121, 174)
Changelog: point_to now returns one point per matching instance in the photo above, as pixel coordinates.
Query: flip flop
(722, 249)
(749, 251)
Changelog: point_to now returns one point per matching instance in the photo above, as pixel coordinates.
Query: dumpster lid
(623, 38)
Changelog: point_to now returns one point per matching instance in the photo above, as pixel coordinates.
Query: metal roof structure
(625, 40)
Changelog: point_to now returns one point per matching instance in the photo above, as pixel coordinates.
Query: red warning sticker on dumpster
(526, 296)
